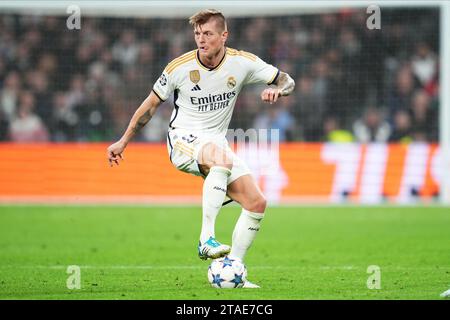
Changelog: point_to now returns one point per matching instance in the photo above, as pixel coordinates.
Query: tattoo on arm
(142, 121)
(285, 83)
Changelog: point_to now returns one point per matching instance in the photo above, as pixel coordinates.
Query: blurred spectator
(246, 109)
(7, 43)
(148, 71)
(94, 118)
(402, 127)
(371, 127)
(252, 35)
(400, 96)
(423, 118)
(4, 128)
(83, 58)
(277, 118)
(65, 120)
(373, 57)
(321, 74)
(338, 66)
(23, 57)
(282, 48)
(9, 95)
(27, 126)
(309, 109)
(126, 50)
(157, 131)
(39, 83)
(47, 64)
(2, 71)
(332, 131)
(425, 67)
(76, 93)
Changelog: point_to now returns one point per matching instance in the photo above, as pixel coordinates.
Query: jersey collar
(213, 68)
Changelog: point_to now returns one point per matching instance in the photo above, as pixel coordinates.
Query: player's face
(209, 39)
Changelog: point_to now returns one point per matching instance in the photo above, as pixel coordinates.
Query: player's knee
(258, 205)
(213, 156)
(223, 162)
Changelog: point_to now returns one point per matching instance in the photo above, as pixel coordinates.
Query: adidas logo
(253, 229)
(196, 88)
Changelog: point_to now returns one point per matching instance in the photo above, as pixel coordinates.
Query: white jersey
(204, 98)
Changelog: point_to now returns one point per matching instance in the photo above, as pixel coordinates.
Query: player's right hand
(114, 153)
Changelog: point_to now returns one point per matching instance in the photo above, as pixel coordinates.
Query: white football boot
(250, 285)
(445, 294)
(247, 284)
(212, 249)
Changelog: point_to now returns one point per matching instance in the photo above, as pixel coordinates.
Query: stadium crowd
(352, 83)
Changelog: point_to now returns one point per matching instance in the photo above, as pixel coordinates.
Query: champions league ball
(227, 273)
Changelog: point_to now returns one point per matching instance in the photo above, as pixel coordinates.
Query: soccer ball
(227, 273)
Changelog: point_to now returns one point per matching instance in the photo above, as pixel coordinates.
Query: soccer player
(205, 83)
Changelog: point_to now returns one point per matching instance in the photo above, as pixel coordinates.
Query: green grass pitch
(132, 252)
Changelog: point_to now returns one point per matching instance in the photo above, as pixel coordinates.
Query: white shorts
(184, 146)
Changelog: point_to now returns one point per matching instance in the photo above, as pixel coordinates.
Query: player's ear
(224, 36)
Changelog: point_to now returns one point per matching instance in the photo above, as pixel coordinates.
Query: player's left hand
(270, 95)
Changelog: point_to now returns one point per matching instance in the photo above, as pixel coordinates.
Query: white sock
(245, 232)
(214, 191)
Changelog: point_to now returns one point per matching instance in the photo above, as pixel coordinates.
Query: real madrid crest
(194, 75)
(231, 82)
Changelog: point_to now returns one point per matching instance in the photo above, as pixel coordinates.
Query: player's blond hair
(204, 16)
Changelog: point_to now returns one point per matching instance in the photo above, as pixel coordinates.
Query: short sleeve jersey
(204, 98)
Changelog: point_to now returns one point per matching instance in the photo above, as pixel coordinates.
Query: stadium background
(362, 125)
(65, 95)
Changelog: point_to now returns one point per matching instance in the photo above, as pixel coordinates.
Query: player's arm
(140, 118)
(284, 87)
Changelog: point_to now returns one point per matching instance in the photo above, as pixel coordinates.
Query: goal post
(445, 102)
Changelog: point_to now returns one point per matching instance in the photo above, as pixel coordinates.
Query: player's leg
(247, 193)
(201, 155)
(216, 164)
